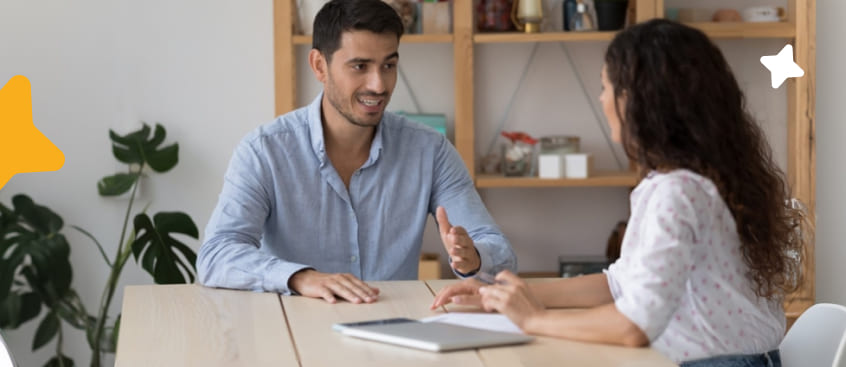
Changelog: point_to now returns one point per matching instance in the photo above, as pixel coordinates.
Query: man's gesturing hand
(459, 246)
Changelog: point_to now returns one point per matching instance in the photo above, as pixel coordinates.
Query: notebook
(431, 336)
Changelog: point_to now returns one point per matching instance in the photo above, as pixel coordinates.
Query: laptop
(431, 336)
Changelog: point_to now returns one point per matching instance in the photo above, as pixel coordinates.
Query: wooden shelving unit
(597, 179)
(409, 38)
(799, 30)
(542, 37)
(747, 30)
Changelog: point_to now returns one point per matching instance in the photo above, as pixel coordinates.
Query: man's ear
(319, 65)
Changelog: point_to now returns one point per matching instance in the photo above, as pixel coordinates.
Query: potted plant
(610, 14)
(35, 271)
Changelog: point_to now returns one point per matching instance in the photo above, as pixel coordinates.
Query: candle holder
(527, 15)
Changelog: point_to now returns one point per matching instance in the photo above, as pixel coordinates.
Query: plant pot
(610, 14)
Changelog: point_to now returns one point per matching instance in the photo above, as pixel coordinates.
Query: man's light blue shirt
(284, 208)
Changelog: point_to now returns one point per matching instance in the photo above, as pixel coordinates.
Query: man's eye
(390, 66)
(359, 67)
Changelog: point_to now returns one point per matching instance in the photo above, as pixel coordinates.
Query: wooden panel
(646, 10)
(746, 30)
(793, 309)
(801, 109)
(463, 70)
(311, 322)
(543, 37)
(546, 351)
(408, 38)
(191, 325)
(285, 67)
(598, 179)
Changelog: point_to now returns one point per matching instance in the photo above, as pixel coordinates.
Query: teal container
(433, 120)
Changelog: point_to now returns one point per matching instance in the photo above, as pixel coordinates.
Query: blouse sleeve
(649, 280)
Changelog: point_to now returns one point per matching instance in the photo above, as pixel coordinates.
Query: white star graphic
(782, 66)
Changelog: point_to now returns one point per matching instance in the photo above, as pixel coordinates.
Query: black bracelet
(472, 273)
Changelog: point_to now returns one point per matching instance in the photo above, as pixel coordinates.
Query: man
(338, 192)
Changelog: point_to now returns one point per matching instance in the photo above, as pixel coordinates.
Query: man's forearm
(242, 266)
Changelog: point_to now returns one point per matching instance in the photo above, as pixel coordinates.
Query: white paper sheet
(487, 321)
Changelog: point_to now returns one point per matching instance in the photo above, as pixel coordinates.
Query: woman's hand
(463, 293)
(511, 296)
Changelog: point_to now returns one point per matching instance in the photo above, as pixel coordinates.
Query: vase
(610, 14)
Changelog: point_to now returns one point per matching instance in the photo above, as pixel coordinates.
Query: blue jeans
(769, 359)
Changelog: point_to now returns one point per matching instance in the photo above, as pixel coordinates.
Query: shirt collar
(315, 125)
(315, 128)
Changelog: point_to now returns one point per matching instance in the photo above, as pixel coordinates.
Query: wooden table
(190, 325)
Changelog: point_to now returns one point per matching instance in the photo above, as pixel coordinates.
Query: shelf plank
(542, 37)
(408, 38)
(599, 179)
(746, 30)
(715, 30)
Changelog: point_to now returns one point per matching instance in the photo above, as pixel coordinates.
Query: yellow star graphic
(22, 147)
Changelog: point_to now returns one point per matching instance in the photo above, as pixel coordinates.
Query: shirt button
(353, 258)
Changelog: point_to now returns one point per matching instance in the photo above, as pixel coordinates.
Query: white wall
(202, 68)
(830, 133)
(205, 70)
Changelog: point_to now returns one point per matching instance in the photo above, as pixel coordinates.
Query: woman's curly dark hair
(684, 109)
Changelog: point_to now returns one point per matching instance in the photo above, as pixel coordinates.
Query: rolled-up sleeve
(454, 190)
(649, 280)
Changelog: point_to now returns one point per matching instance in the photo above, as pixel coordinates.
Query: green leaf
(7, 277)
(10, 310)
(40, 218)
(60, 277)
(158, 250)
(133, 137)
(128, 148)
(30, 307)
(57, 245)
(163, 160)
(54, 362)
(7, 218)
(139, 147)
(158, 135)
(116, 184)
(71, 310)
(125, 155)
(47, 330)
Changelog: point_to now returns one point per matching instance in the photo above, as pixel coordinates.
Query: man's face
(361, 76)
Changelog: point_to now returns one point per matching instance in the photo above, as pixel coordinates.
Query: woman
(709, 251)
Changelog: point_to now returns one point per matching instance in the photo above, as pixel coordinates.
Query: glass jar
(494, 16)
(559, 144)
(518, 159)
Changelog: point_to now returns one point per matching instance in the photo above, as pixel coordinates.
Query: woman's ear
(319, 65)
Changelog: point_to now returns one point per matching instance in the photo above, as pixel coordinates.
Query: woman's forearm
(602, 324)
(582, 291)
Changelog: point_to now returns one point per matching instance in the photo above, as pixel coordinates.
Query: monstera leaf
(157, 250)
(54, 362)
(117, 184)
(138, 147)
(32, 247)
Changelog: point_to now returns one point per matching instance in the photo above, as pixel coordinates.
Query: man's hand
(459, 246)
(312, 283)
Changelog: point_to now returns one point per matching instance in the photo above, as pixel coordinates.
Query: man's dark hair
(339, 16)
